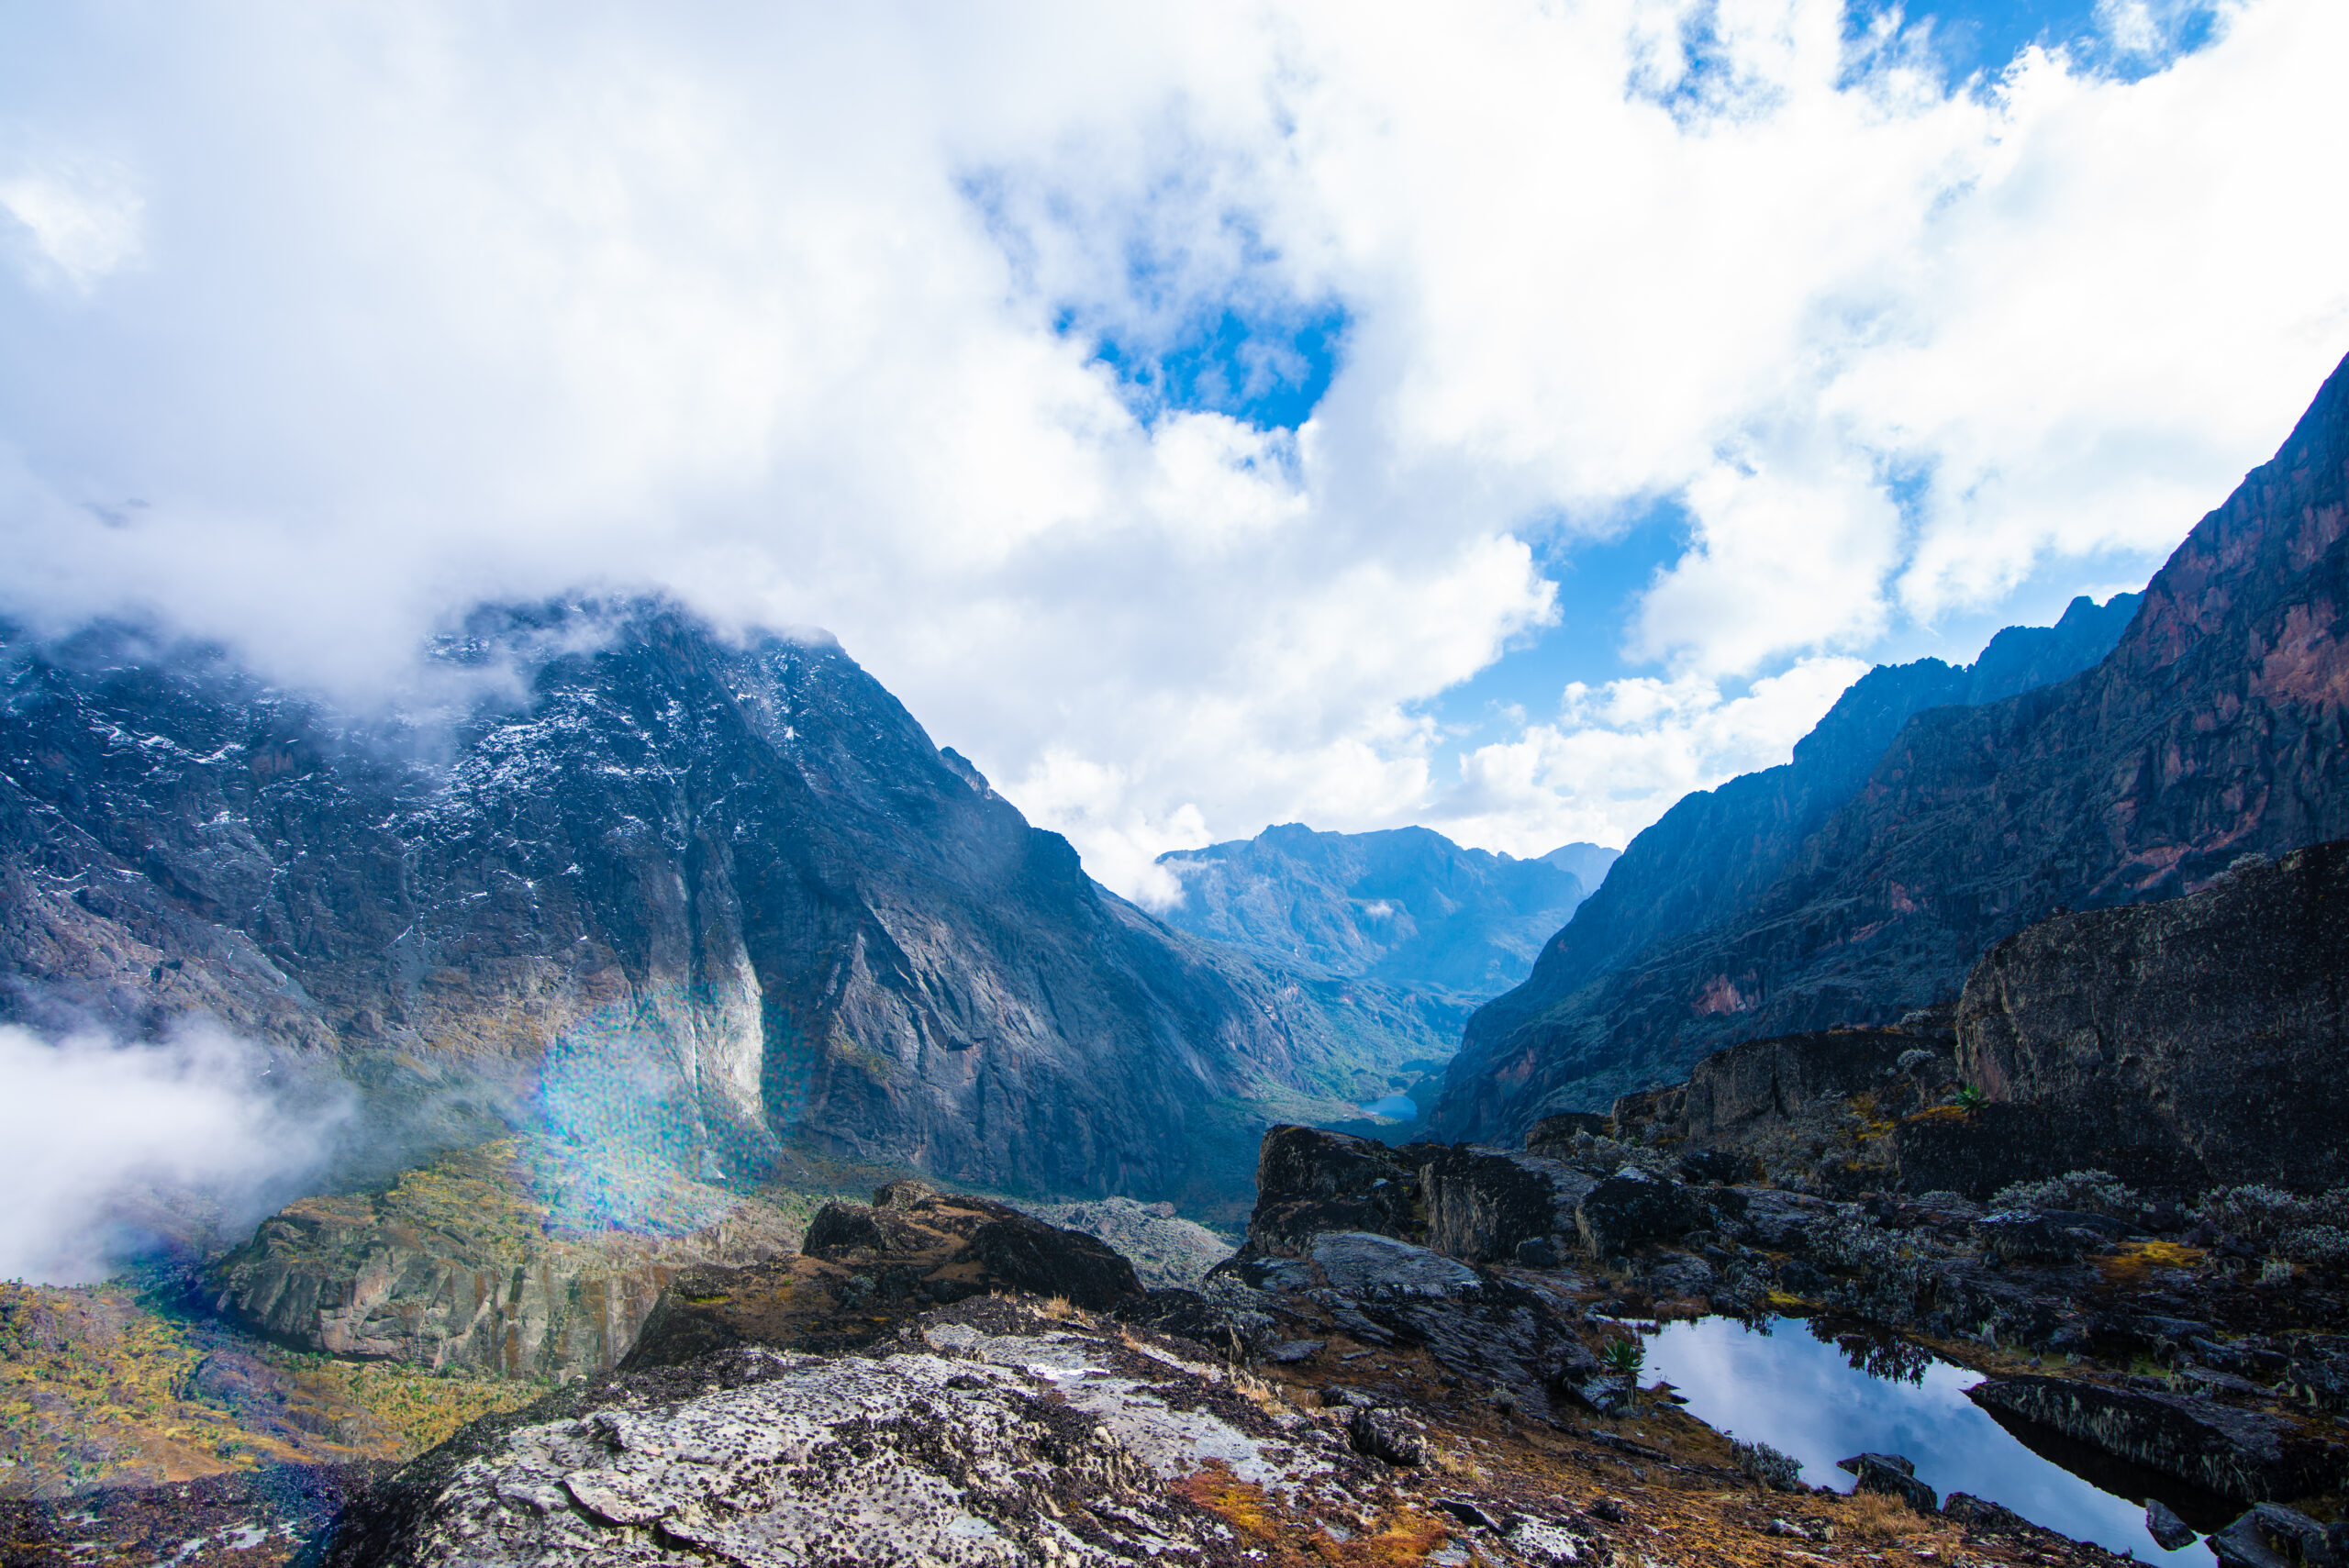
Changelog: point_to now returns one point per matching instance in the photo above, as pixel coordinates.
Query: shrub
(1777, 1471)
(2087, 1192)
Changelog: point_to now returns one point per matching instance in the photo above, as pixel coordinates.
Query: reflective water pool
(1802, 1394)
(1399, 1106)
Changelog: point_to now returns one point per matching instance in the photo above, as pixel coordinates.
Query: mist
(110, 1152)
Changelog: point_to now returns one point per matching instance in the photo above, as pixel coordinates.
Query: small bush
(2303, 1228)
(1778, 1471)
(2087, 1192)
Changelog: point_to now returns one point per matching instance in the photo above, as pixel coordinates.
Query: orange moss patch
(2127, 1266)
(1940, 1113)
(1403, 1539)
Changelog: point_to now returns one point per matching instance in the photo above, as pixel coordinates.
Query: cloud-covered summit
(1172, 406)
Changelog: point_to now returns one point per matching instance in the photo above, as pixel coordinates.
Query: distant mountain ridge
(705, 895)
(1406, 904)
(1920, 822)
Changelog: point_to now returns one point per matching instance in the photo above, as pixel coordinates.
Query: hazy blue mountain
(1406, 905)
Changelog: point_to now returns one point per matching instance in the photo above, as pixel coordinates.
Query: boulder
(1632, 1207)
(2250, 1455)
(982, 1435)
(1484, 1204)
(2197, 1040)
(1893, 1475)
(872, 1267)
(2169, 1532)
(1309, 1181)
(1386, 1434)
(2270, 1535)
(1553, 1136)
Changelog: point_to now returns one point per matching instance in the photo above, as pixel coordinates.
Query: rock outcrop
(2211, 730)
(866, 1269)
(1406, 905)
(2248, 1455)
(463, 1263)
(647, 884)
(2189, 1043)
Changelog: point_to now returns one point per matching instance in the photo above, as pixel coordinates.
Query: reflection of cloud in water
(1802, 1395)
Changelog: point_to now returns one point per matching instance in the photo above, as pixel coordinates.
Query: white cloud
(99, 1139)
(77, 221)
(1618, 756)
(380, 310)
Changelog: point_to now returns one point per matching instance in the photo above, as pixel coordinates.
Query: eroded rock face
(459, 1264)
(2197, 1041)
(866, 1269)
(1487, 1205)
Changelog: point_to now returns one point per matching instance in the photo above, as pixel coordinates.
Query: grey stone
(1893, 1475)
(2169, 1531)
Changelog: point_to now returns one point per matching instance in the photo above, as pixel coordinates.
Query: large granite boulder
(988, 1435)
(2202, 1038)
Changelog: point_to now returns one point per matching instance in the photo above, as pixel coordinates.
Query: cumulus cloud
(105, 1147)
(324, 324)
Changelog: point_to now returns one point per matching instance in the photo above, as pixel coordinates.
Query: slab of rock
(2246, 1454)
(2197, 1040)
(867, 1268)
(1632, 1207)
(1484, 1204)
(994, 1437)
(2169, 1531)
(1893, 1475)
(1309, 1181)
(2270, 1535)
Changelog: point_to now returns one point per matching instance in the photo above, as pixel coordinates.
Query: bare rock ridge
(651, 887)
(1406, 905)
(2214, 728)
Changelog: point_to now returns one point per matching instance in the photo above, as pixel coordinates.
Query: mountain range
(1407, 905)
(648, 885)
(1936, 811)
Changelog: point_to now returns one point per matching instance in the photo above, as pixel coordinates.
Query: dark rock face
(1406, 905)
(1712, 859)
(1732, 1092)
(2201, 1041)
(736, 877)
(1892, 1474)
(2246, 1454)
(1309, 1181)
(1632, 1206)
(1488, 1204)
(866, 1269)
(2209, 732)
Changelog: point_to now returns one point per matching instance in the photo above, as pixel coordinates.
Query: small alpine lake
(1818, 1395)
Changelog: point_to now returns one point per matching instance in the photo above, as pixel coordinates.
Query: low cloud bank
(109, 1150)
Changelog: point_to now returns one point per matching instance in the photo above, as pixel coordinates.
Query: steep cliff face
(1406, 905)
(2213, 728)
(655, 887)
(2197, 1040)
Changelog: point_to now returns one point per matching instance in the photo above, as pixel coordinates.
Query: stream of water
(1803, 1395)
